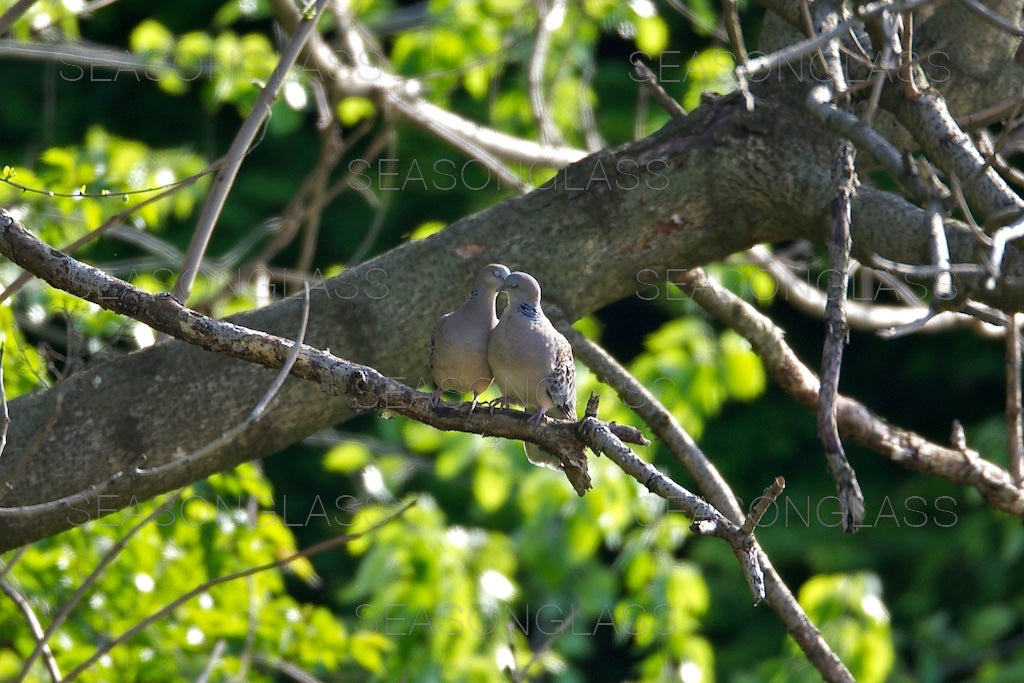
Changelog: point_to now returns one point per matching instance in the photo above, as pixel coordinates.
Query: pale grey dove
(531, 360)
(458, 345)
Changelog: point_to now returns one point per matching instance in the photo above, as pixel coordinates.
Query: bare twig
(872, 317)
(731, 18)
(696, 19)
(13, 13)
(639, 399)
(902, 169)
(285, 668)
(236, 154)
(13, 560)
(991, 114)
(855, 420)
(836, 327)
(706, 519)
(836, 334)
(667, 102)
(1014, 418)
(764, 501)
(588, 120)
(37, 630)
(928, 119)
(323, 546)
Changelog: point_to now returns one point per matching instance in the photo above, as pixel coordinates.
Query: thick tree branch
(368, 389)
(607, 227)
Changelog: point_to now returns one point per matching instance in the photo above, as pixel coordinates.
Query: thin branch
(928, 119)
(323, 546)
(837, 329)
(236, 154)
(112, 222)
(855, 420)
(15, 556)
(731, 18)
(837, 332)
(5, 416)
(639, 399)
(636, 396)
(14, 13)
(1014, 418)
(549, 20)
(698, 21)
(406, 97)
(992, 17)
(215, 656)
(943, 286)
(706, 519)
(958, 195)
(588, 120)
(112, 552)
(385, 139)
(285, 668)
(546, 645)
(763, 503)
(667, 102)
(37, 631)
(991, 114)
(900, 167)
(872, 317)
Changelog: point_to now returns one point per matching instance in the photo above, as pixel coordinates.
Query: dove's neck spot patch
(529, 310)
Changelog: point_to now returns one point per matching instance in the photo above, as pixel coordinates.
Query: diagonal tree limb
(225, 178)
(35, 627)
(369, 389)
(855, 420)
(713, 487)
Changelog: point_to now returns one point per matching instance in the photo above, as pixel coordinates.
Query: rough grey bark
(719, 181)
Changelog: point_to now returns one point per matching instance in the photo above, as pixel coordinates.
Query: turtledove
(531, 360)
(458, 344)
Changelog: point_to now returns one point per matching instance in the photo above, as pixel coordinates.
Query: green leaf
(709, 70)
(347, 457)
(651, 34)
(151, 36)
(352, 110)
(743, 371)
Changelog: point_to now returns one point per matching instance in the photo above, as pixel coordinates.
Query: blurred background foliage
(497, 564)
